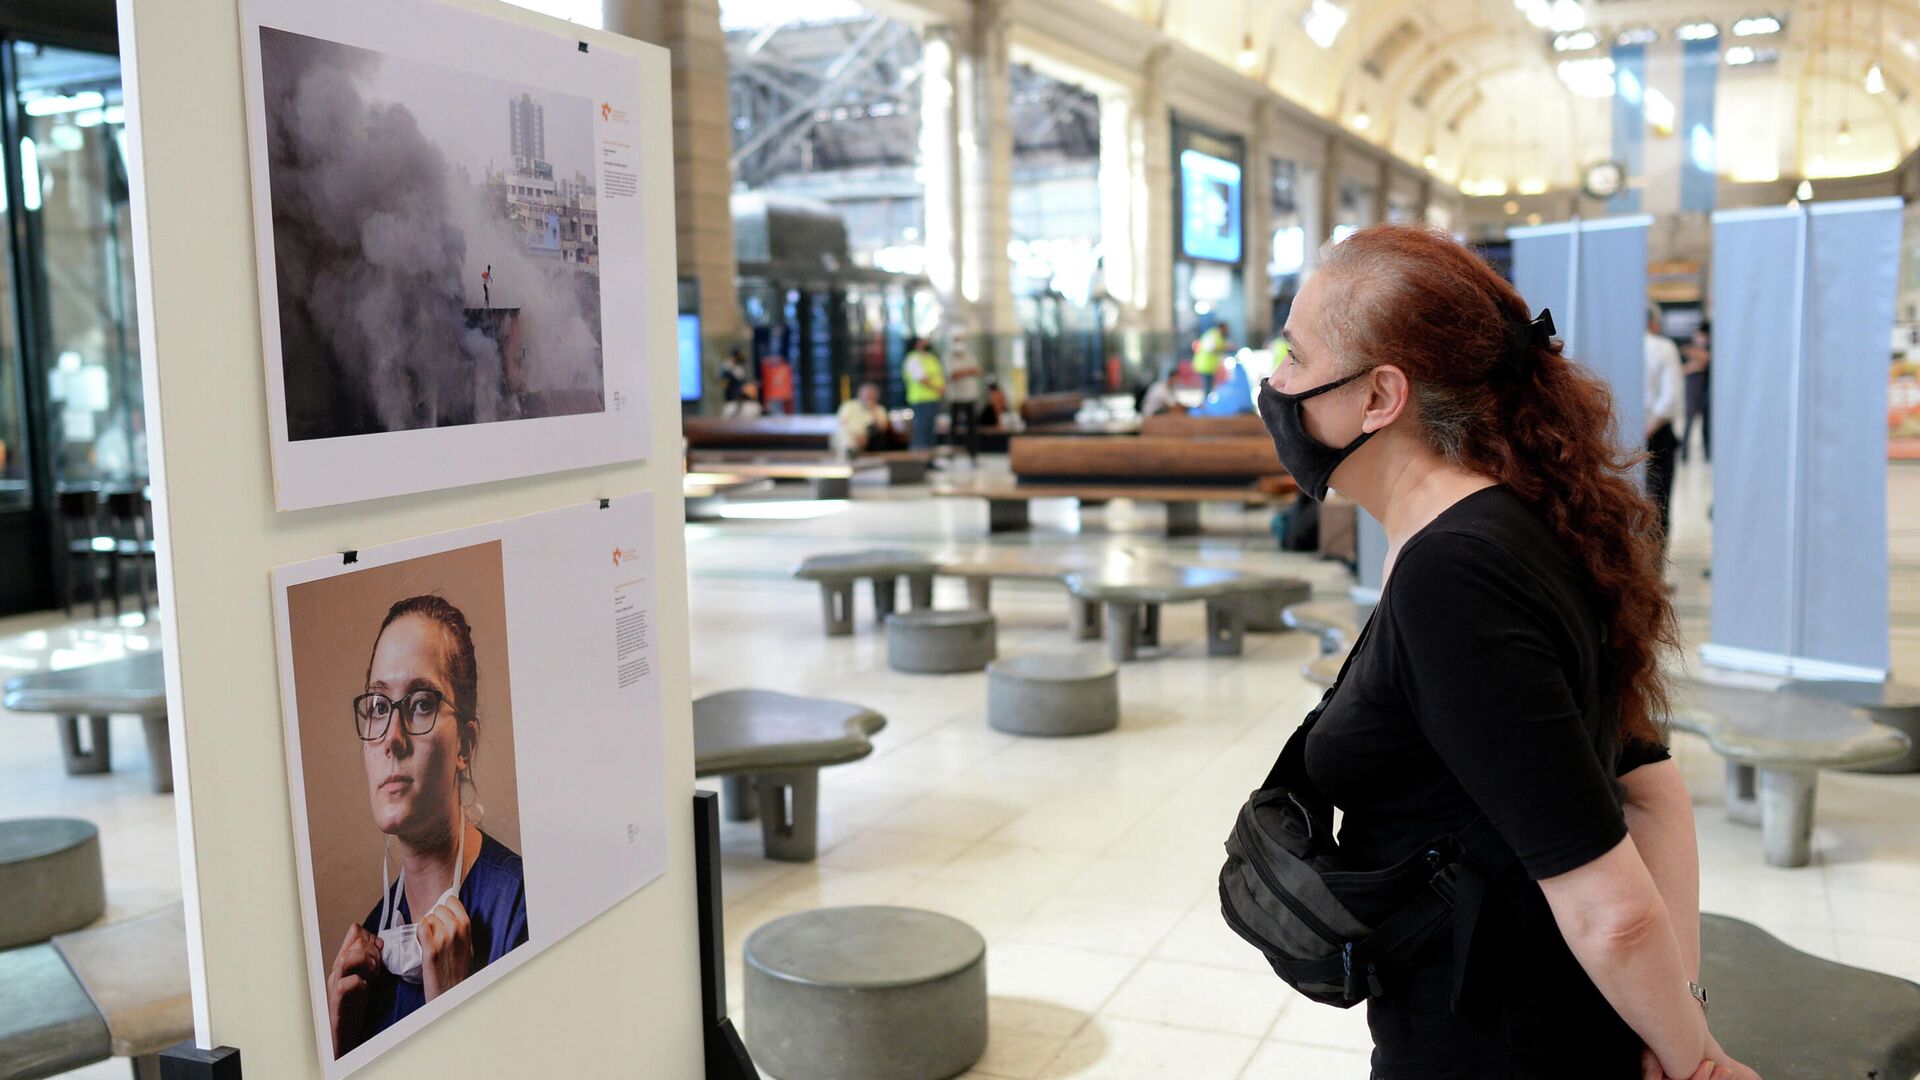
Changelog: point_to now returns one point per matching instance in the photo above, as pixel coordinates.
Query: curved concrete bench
(1897, 705)
(134, 685)
(940, 642)
(50, 878)
(118, 990)
(1775, 745)
(879, 993)
(770, 747)
(838, 574)
(1041, 694)
(1132, 595)
(1784, 1013)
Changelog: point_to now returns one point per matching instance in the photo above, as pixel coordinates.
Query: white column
(1257, 194)
(940, 168)
(702, 140)
(1153, 206)
(986, 177)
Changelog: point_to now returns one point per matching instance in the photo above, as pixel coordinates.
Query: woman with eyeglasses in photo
(418, 733)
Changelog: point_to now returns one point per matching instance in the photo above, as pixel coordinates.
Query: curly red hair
(1415, 298)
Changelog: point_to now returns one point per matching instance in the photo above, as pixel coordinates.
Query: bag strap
(1289, 769)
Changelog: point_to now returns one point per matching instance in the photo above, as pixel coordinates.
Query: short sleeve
(1487, 687)
(1635, 753)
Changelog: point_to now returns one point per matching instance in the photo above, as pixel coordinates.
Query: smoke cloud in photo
(435, 240)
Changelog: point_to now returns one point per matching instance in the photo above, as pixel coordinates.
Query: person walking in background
(1662, 406)
(776, 386)
(733, 382)
(1698, 368)
(926, 386)
(963, 401)
(1208, 354)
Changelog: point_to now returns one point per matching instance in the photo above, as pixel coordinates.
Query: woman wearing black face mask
(1510, 670)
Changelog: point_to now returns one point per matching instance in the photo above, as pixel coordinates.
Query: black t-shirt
(1477, 689)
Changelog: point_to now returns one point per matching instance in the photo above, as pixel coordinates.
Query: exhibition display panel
(425, 509)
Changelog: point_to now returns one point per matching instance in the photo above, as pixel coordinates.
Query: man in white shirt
(1664, 393)
(859, 418)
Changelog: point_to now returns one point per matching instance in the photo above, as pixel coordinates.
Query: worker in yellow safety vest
(926, 387)
(1208, 354)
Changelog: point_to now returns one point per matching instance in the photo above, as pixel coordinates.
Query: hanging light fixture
(1846, 133)
(1361, 119)
(1249, 56)
(1431, 160)
(1804, 192)
(1876, 79)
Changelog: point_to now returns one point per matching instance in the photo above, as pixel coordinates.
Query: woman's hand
(446, 947)
(1718, 1066)
(354, 968)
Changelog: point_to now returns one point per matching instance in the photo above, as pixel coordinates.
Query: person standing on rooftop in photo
(1511, 671)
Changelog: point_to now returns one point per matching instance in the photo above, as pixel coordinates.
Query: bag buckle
(1446, 882)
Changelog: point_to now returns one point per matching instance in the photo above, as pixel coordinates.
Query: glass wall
(75, 195)
(16, 480)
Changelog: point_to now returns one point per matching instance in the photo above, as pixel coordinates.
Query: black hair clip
(1541, 330)
(1523, 339)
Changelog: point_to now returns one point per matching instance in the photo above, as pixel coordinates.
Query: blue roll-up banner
(1803, 309)
(1593, 275)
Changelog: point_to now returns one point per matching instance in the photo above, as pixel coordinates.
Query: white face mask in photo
(400, 945)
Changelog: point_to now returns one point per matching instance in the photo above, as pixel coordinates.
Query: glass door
(70, 395)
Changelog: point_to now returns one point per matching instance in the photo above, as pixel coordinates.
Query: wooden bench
(1775, 744)
(1007, 499)
(1189, 426)
(903, 466)
(118, 990)
(1784, 1013)
(1229, 462)
(828, 479)
(705, 491)
(135, 685)
(809, 432)
(768, 748)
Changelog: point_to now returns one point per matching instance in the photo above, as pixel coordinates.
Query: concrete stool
(879, 993)
(1775, 744)
(940, 642)
(50, 876)
(1784, 1013)
(135, 971)
(838, 574)
(1265, 609)
(1062, 694)
(768, 748)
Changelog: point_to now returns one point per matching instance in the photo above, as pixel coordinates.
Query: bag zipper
(1299, 910)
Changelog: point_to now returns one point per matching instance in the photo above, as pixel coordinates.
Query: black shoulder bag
(1285, 891)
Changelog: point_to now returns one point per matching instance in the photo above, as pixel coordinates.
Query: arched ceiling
(1471, 90)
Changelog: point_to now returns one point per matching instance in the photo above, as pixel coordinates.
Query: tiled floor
(1088, 863)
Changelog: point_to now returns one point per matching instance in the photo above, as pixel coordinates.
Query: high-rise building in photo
(527, 118)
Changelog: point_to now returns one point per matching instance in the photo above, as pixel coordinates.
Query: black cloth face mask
(1310, 461)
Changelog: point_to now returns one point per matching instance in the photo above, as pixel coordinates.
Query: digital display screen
(1210, 211)
(690, 376)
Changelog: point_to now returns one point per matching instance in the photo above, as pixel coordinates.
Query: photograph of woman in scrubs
(418, 733)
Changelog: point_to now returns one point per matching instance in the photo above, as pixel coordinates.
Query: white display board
(547, 618)
(620, 995)
(451, 230)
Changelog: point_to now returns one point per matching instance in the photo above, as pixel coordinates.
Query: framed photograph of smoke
(449, 216)
(474, 758)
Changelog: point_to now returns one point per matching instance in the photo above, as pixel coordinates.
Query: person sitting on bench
(863, 423)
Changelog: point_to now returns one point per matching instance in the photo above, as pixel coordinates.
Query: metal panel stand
(185, 1061)
(727, 1057)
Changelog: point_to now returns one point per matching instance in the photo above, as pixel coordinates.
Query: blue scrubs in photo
(495, 896)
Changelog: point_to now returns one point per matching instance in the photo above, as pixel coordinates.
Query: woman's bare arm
(1615, 922)
(1660, 820)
